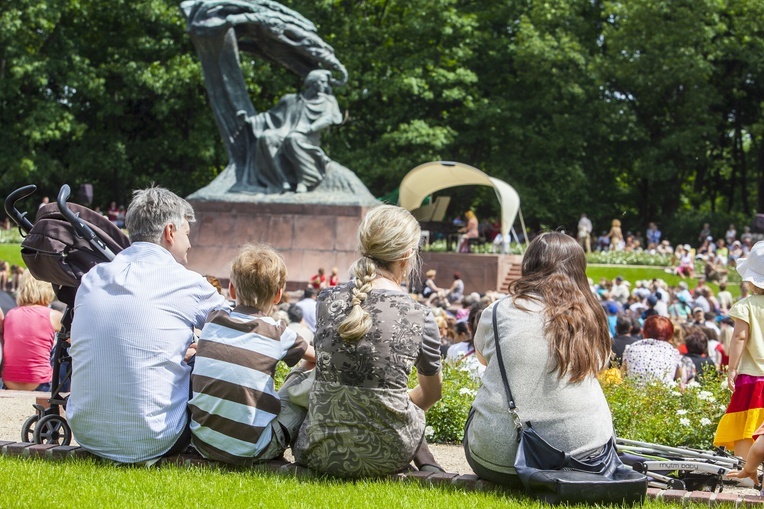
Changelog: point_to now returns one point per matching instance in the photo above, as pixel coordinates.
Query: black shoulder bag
(555, 476)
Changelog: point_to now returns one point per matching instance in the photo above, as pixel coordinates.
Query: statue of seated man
(288, 155)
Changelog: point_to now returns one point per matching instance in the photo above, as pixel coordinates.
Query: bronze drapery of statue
(277, 150)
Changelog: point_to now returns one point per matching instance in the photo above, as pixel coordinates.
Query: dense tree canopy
(642, 110)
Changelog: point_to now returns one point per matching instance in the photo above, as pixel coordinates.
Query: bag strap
(500, 359)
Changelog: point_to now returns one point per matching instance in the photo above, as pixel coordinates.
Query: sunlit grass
(85, 484)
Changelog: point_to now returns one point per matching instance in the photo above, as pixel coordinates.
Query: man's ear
(231, 291)
(168, 234)
(280, 293)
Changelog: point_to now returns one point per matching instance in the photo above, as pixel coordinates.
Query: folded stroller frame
(682, 468)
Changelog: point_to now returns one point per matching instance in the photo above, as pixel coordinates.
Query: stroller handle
(79, 226)
(10, 207)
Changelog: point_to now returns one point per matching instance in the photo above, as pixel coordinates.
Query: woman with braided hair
(362, 419)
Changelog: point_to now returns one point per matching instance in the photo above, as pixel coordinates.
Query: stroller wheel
(52, 429)
(27, 430)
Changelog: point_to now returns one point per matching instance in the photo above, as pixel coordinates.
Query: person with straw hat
(745, 376)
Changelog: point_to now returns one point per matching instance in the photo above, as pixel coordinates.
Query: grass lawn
(632, 274)
(11, 253)
(85, 484)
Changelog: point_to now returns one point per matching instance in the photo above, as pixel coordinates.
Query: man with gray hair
(132, 334)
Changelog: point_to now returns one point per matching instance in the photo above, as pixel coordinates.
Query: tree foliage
(643, 110)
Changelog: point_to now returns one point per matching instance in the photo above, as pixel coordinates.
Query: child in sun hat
(745, 376)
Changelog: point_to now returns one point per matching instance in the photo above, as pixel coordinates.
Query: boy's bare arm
(308, 359)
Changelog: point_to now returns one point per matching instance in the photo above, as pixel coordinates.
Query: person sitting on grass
(236, 415)
(132, 337)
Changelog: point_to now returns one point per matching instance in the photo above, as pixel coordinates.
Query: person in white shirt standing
(132, 334)
(585, 233)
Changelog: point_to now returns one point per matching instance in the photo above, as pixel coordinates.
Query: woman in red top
(28, 333)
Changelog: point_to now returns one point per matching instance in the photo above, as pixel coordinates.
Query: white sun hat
(751, 268)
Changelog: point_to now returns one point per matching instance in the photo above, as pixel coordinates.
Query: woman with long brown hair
(554, 340)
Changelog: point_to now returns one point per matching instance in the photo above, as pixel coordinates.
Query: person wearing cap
(652, 300)
(698, 316)
(745, 375)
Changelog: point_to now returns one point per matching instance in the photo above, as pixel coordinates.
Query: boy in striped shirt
(237, 416)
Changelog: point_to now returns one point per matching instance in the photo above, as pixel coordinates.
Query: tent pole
(522, 223)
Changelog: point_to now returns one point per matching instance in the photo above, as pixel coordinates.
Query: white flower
(676, 394)
(681, 412)
(429, 432)
(722, 408)
(692, 385)
(671, 384)
(706, 396)
(684, 421)
(465, 391)
(705, 421)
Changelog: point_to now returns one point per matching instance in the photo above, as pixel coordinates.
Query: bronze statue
(278, 150)
(287, 152)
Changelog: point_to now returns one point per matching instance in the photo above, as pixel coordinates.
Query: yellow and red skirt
(745, 413)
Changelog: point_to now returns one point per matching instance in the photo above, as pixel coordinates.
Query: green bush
(440, 246)
(628, 258)
(445, 420)
(668, 414)
(11, 236)
(664, 414)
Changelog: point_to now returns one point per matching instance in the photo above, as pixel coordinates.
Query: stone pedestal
(308, 236)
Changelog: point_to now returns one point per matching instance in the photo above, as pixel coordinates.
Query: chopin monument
(279, 186)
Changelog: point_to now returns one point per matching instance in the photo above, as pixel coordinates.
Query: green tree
(108, 95)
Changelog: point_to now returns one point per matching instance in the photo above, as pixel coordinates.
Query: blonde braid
(358, 321)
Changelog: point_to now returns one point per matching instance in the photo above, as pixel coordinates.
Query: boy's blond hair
(258, 273)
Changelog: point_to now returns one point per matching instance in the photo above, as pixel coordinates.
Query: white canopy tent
(427, 178)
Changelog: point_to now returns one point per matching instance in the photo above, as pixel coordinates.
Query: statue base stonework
(340, 186)
(308, 236)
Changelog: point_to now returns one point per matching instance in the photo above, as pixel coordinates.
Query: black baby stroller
(65, 242)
